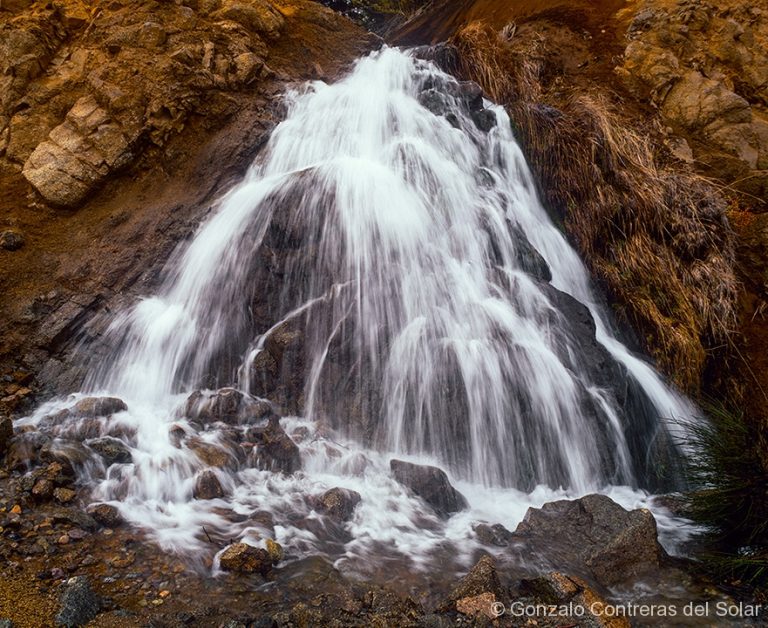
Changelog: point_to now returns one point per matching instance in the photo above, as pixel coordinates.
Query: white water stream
(415, 255)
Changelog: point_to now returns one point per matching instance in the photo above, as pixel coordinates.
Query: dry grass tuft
(657, 239)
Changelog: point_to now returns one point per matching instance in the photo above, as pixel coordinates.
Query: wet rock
(275, 551)
(43, 489)
(112, 450)
(207, 486)
(482, 580)
(6, 623)
(78, 603)
(275, 451)
(244, 558)
(106, 514)
(23, 450)
(559, 589)
(596, 534)
(484, 120)
(11, 240)
(99, 406)
(435, 101)
(471, 95)
(496, 534)
(226, 405)
(338, 503)
(212, 455)
(75, 517)
(477, 605)
(6, 434)
(431, 484)
(64, 495)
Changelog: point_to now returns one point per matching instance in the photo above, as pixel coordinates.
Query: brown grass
(657, 239)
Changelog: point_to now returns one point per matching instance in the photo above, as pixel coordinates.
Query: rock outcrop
(594, 534)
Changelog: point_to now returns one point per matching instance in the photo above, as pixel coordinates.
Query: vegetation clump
(656, 238)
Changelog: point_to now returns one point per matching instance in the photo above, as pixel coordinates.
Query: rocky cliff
(119, 124)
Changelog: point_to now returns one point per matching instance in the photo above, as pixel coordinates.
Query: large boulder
(78, 155)
(99, 406)
(479, 589)
(431, 484)
(593, 534)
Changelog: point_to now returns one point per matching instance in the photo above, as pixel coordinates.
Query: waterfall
(390, 247)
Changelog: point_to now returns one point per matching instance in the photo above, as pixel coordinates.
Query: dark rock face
(243, 558)
(595, 534)
(274, 450)
(78, 603)
(112, 450)
(431, 484)
(207, 486)
(338, 503)
(105, 514)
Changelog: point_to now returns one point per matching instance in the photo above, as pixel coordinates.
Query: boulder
(78, 604)
(274, 451)
(244, 558)
(112, 450)
(431, 484)
(99, 406)
(227, 405)
(338, 503)
(210, 454)
(106, 514)
(11, 240)
(207, 486)
(594, 534)
(78, 154)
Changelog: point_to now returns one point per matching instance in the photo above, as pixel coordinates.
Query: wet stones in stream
(244, 558)
(431, 484)
(226, 405)
(338, 503)
(208, 486)
(274, 450)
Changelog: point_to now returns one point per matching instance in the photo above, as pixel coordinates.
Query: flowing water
(393, 228)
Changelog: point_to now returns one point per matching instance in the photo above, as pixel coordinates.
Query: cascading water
(390, 231)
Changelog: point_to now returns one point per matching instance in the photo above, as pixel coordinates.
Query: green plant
(729, 493)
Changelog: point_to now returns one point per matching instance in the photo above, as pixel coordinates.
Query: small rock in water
(112, 450)
(431, 484)
(227, 405)
(105, 514)
(64, 495)
(338, 503)
(275, 451)
(99, 406)
(275, 551)
(78, 603)
(208, 486)
(244, 558)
